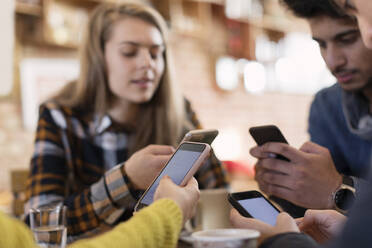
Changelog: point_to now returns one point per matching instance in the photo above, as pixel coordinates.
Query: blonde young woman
(103, 139)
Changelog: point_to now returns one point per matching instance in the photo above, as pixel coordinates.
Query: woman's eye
(157, 53)
(128, 54)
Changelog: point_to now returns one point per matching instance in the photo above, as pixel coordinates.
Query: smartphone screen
(260, 209)
(177, 167)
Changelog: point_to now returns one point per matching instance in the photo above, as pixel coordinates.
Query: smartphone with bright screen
(180, 168)
(260, 209)
(253, 204)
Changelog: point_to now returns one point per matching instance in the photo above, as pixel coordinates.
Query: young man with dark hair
(339, 121)
(323, 225)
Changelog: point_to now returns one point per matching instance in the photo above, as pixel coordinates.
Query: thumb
(310, 147)
(192, 183)
(166, 180)
(285, 222)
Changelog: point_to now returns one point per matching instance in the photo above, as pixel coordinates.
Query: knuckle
(257, 168)
(262, 187)
(283, 149)
(305, 160)
(307, 144)
(271, 164)
(326, 151)
(298, 187)
(300, 174)
(271, 189)
(265, 147)
(269, 177)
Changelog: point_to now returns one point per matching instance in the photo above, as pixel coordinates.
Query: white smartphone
(183, 164)
(201, 135)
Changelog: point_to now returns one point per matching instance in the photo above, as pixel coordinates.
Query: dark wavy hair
(315, 8)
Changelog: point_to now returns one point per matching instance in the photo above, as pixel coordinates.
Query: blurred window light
(228, 144)
(251, 9)
(7, 44)
(285, 70)
(227, 73)
(240, 64)
(301, 69)
(254, 77)
(265, 50)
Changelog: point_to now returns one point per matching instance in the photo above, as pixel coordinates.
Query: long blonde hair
(162, 120)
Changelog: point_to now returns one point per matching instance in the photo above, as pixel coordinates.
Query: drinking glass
(48, 224)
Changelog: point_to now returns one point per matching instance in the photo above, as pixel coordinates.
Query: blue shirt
(328, 127)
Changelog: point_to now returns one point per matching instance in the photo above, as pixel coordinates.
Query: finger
(160, 160)
(166, 182)
(192, 183)
(258, 153)
(312, 232)
(278, 179)
(310, 219)
(299, 221)
(286, 222)
(259, 170)
(277, 165)
(161, 149)
(281, 192)
(240, 221)
(284, 149)
(284, 217)
(310, 147)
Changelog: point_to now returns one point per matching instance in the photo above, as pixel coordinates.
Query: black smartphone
(183, 164)
(254, 205)
(269, 133)
(201, 135)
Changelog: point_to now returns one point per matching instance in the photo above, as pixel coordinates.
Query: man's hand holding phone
(308, 179)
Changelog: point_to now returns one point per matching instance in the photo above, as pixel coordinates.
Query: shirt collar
(101, 124)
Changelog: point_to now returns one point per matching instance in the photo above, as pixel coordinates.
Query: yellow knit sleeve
(14, 233)
(156, 226)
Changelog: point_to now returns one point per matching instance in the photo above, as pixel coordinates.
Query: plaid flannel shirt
(80, 161)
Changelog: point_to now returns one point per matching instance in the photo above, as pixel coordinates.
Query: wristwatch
(344, 196)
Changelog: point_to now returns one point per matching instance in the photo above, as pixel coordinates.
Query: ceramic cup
(226, 238)
(213, 210)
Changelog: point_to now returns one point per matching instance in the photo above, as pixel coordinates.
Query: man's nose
(335, 57)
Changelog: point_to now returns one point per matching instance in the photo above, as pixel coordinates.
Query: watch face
(344, 199)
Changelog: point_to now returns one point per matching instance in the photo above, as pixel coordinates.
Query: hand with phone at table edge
(308, 179)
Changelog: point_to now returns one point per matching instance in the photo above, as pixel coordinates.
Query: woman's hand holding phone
(144, 165)
(186, 197)
(182, 165)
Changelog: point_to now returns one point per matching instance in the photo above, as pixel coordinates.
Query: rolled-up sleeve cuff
(136, 194)
(110, 196)
(120, 189)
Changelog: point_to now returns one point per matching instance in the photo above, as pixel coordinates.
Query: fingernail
(271, 155)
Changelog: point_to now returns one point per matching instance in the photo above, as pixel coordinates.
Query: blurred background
(241, 63)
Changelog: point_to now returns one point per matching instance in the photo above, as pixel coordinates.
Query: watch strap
(347, 180)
